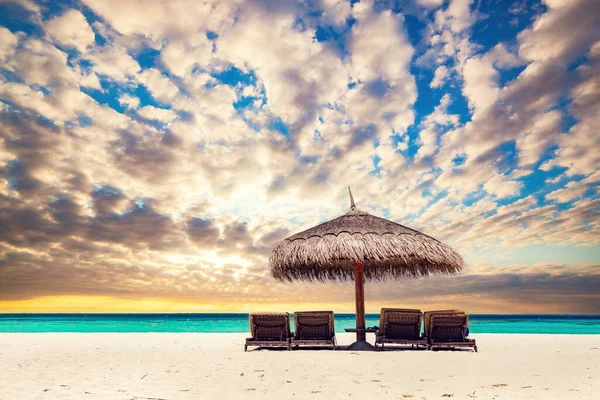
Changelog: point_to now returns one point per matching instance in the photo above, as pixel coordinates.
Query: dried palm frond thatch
(388, 250)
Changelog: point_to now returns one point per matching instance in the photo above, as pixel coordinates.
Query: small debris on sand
(447, 395)
(499, 385)
(406, 396)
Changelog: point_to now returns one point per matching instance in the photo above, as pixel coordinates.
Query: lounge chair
(269, 329)
(449, 331)
(428, 314)
(400, 326)
(313, 328)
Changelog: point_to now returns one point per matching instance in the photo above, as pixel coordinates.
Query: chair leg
(245, 347)
(475, 348)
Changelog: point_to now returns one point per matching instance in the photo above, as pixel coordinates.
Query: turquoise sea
(229, 322)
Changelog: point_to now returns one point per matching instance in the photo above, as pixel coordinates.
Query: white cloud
(572, 191)
(481, 87)
(180, 57)
(129, 101)
(114, 62)
(90, 80)
(8, 43)
(159, 19)
(38, 62)
(440, 75)
(502, 58)
(380, 59)
(432, 125)
(535, 138)
(159, 85)
(71, 30)
(430, 4)
(565, 30)
(157, 114)
(457, 16)
(501, 187)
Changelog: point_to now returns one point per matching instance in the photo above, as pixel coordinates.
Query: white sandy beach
(214, 366)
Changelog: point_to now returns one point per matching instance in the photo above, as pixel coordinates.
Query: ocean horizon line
(290, 312)
(238, 322)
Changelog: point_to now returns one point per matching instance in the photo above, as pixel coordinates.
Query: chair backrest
(428, 314)
(448, 327)
(270, 326)
(400, 323)
(314, 325)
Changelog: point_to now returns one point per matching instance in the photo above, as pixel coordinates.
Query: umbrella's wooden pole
(359, 287)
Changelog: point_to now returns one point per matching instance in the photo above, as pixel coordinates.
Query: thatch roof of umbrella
(388, 250)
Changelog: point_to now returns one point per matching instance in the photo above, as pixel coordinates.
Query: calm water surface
(478, 323)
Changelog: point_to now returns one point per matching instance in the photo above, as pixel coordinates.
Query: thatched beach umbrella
(358, 246)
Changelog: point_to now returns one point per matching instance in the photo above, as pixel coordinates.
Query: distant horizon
(244, 313)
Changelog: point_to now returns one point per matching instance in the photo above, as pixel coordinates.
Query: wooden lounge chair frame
(449, 331)
(428, 314)
(269, 330)
(400, 326)
(314, 328)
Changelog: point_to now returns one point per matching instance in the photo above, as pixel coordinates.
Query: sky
(152, 153)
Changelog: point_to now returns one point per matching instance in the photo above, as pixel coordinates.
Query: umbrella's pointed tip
(352, 205)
